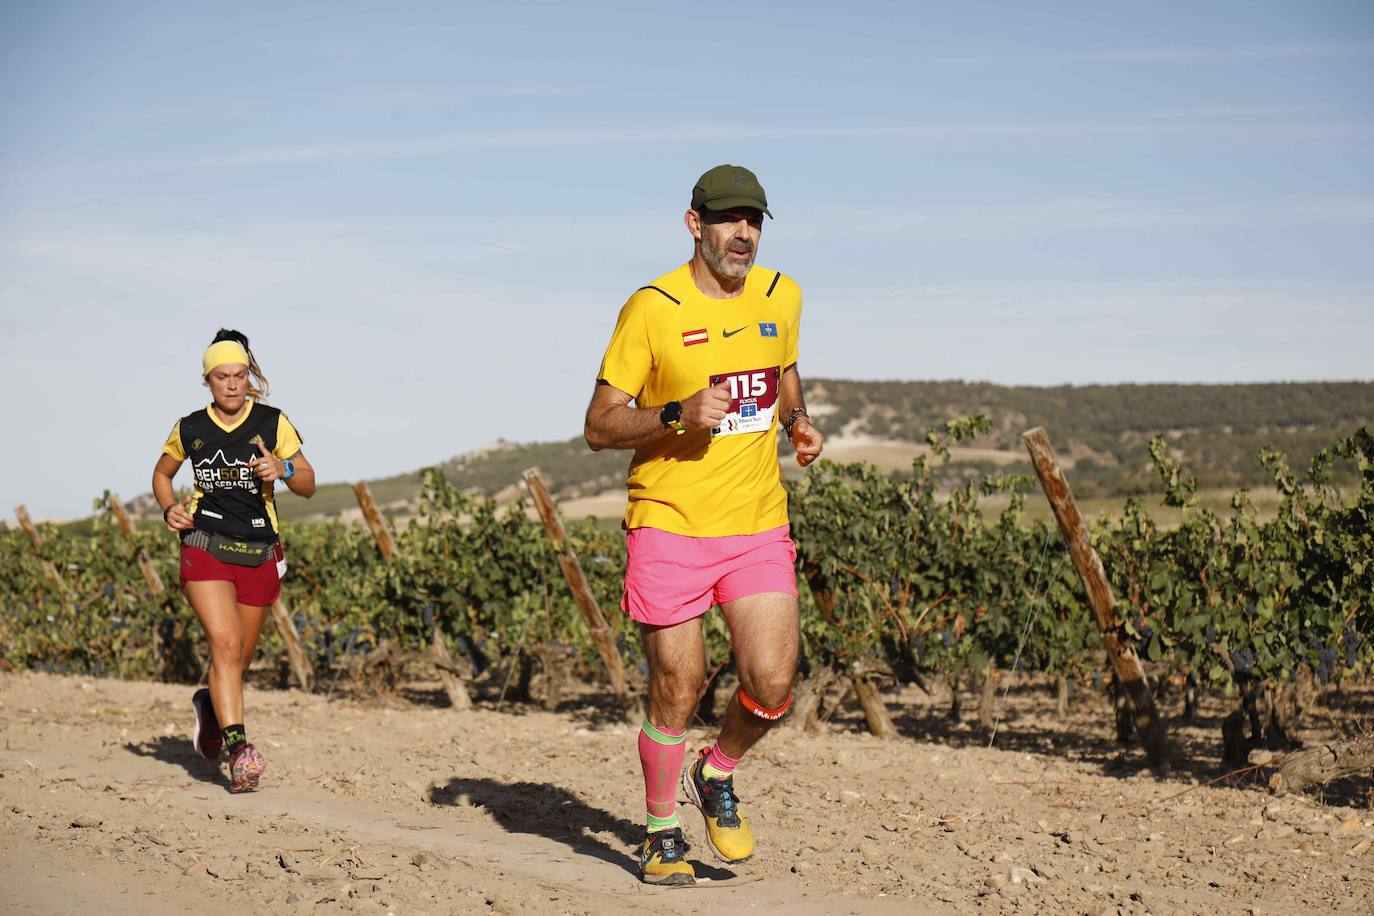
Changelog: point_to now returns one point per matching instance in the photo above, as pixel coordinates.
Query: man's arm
(806, 439)
(612, 423)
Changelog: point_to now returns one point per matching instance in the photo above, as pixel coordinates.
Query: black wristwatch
(671, 417)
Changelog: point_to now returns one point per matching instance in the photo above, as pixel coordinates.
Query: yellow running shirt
(672, 340)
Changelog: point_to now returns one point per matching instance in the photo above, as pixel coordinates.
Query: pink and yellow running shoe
(246, 767)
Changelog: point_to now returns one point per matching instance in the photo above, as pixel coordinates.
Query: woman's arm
(177, 515)
(302, 483)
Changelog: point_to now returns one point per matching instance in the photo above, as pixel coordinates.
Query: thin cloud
(1219, 54)
(1174, 55)
(450, 96)
(541, 137)
(1078, 215)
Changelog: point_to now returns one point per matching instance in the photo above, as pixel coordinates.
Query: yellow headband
(226, 351)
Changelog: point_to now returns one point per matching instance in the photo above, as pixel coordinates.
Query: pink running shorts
(670, 577)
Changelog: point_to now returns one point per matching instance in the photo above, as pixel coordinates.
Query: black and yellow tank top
(229, 498)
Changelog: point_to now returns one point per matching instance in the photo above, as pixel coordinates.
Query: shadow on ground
(1084, 736)
(177, 750)
(544, 810)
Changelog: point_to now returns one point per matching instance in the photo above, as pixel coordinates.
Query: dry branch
(1318, 765)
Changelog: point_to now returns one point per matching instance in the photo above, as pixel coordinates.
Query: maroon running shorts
(255, 586)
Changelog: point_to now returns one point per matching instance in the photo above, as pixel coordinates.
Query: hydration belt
(231, 550)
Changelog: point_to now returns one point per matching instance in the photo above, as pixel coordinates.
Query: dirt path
(403, 808)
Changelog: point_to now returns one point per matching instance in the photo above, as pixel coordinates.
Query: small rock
(1282, 831)
(870, 854)
(421, 859)
(1001, 857)
(286, 861)
(1073, 837)
(87, 821)
(996, 882)
(1349, 825)
(1360, 847)
(225, 869)
(1019, 875)
(294, 898)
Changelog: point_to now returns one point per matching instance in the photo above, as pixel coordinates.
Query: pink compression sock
(660, 754)
(717, 765)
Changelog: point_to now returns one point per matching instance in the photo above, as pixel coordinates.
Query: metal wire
(1025, 633)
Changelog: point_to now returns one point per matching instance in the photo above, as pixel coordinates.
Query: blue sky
(426, 215)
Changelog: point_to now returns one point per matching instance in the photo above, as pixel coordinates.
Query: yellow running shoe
(727, 833)
(663, 859)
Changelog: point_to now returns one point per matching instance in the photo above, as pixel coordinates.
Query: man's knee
(769, 691)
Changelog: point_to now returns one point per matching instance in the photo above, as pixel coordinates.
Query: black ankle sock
(233, 737)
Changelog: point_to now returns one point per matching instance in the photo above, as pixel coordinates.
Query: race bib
(753, 401)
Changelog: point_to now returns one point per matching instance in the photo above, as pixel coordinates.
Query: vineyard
(901, 583)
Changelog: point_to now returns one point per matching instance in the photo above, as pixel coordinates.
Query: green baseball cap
(727, 186)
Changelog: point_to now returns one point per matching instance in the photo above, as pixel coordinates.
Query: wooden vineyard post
(374, 520)
(577, 581)
(453, 685)
(49, 570)
(1129, 671)
(876, 715)
(144, 564)
(457, 693)
(295, 653)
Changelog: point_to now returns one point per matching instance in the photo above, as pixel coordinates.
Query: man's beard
(720, 262)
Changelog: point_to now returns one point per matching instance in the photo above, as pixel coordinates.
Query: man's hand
(178, 515)
(807, 440)
(706, 408)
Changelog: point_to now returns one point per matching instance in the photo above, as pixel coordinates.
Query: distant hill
(1100, 430)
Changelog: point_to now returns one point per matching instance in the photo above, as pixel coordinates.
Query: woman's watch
(290, 469)
(671, 417)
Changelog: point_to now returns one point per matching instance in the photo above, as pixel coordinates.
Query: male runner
(708, 355)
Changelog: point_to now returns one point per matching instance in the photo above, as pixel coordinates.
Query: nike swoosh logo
(732, 333)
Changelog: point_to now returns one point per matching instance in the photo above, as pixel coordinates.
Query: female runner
(231, 558)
